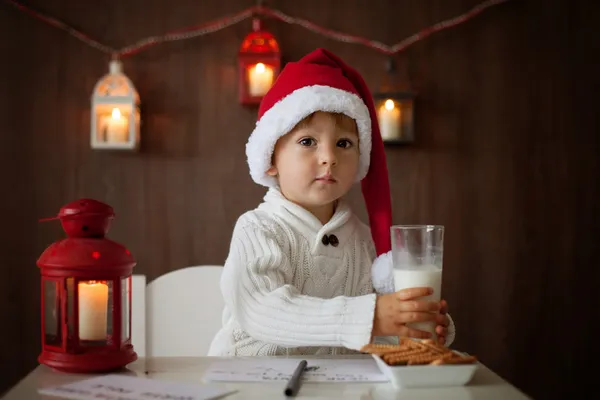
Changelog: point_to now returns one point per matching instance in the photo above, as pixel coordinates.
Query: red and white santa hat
(321, 81)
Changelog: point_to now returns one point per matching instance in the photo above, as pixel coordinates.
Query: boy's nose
(327, 157)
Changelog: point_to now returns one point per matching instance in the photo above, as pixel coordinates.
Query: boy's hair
(341, 120)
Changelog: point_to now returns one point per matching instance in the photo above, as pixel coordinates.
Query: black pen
(294, 383)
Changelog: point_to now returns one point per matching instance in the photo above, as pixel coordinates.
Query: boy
(300, 275)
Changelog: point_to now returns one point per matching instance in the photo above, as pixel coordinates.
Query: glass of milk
(417, 253)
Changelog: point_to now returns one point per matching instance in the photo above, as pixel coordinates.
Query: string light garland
(224, 22)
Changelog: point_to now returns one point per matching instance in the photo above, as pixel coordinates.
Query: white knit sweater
(288, 293)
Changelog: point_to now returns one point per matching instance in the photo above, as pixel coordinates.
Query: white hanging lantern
(115, 111)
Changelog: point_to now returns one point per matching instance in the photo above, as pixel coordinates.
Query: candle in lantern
(260, 79)
(93, 305)
(117, 127)
(389, 120)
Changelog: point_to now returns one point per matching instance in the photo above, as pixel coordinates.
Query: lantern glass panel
(126, 306)
(52, 317)
(70, 308)
(260, 78)
(114, 122)
(95, 312)
(395, 117)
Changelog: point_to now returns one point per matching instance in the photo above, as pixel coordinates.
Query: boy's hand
(443, 321)
(394, 310)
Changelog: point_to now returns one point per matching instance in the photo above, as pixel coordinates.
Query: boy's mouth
(327, 178)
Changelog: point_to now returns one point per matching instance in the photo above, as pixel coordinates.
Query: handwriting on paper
(277, 369)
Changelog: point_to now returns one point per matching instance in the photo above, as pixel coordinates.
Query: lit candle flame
(116, 113)
(389, 104)
(260, 68)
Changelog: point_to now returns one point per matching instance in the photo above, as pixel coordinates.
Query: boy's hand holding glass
(394, 310)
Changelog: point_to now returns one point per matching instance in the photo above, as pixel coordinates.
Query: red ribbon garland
(213, 26)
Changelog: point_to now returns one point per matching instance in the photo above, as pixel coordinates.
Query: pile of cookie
(417, 352)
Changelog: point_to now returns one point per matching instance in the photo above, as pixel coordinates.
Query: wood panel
(505, 158)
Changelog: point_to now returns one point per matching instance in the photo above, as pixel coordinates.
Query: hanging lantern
(259, 64)
(395, 116)
(115, 111)
(395, 107)
(86, 294)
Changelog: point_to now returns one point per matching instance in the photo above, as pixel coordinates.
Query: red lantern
(86, 294)
(259, 64)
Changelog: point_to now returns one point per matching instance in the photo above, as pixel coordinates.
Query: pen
(294, 383)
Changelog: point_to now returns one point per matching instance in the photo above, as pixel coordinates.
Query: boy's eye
(306, 142)
(344, 143)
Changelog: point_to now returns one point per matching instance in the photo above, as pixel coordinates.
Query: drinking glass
(417, 254)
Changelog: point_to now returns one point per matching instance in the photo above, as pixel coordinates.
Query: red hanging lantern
(86, 294)
(259, 64)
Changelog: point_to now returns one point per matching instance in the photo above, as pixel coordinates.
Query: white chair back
(183, 312)
(138, 314)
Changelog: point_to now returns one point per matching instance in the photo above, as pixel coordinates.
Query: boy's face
(317, 162)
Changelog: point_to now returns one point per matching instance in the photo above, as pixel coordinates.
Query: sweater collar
(303, 220)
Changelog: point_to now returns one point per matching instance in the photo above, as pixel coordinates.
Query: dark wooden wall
(507, 136)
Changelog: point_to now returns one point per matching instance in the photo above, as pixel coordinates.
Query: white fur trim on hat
(283, 116)
(382, 274)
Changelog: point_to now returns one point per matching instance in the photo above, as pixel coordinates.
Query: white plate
(407, 376)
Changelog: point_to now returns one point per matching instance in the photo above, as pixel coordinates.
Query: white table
(485, 384)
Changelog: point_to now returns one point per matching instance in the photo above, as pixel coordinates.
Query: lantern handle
(48, 219)
(74, 215)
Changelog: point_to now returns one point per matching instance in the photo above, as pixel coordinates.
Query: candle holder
(259, 62)
(115, 111)
(86, 294)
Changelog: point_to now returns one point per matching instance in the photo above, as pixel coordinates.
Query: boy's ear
(272, 171)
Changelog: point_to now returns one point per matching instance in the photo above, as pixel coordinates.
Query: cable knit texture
(288, 293)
